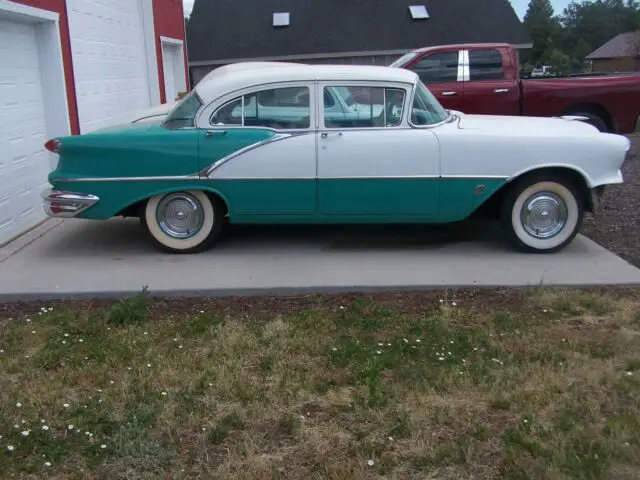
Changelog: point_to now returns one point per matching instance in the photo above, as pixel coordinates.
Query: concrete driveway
(77, 258)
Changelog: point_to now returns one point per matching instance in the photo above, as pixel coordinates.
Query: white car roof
(240, 78)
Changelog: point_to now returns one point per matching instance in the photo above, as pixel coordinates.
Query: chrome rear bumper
(60, 203)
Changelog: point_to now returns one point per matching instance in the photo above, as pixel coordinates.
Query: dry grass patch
(545, 386)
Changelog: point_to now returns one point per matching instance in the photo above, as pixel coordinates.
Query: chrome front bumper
(59, 203)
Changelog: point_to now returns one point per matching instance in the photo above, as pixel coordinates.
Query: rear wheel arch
(135, 208)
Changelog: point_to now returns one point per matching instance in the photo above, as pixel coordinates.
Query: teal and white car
(263, 146)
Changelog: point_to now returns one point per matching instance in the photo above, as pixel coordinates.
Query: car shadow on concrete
(121, 238)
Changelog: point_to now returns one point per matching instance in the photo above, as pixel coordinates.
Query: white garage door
(24, 163)
(109, 60)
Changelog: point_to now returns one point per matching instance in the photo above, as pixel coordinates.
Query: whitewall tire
(542, 214)
(183, 222)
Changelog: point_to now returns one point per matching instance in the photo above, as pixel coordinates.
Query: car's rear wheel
(542, 214)
(183, 222)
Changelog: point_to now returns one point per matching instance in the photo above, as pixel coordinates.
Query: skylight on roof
(281, 19)
(418, 12)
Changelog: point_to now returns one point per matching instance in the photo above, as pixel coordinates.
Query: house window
(485, 65)
(278, 108)
(362, 107)
(438, 68)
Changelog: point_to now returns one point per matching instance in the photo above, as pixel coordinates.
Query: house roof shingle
(624, 45)
(242, 29)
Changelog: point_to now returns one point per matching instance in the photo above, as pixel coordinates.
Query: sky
(520, 6)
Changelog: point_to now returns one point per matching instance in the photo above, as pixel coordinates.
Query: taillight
(54, 145)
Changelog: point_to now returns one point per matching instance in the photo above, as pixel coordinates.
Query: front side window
(183, 113)
(437, 68)
(278, 108)
(426, 110)
(362, 107)
(485, 65)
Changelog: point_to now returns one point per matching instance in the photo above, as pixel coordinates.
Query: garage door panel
(110, 63)
(24, 163)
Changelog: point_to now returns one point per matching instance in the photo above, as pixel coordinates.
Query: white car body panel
(288, 157)
(501, 146)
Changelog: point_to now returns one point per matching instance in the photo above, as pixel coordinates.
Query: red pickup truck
(484, 78)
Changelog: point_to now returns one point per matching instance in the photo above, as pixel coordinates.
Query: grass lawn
(501, 384)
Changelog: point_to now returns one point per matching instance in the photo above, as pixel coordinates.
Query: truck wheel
(594, 120)
(183, 222)
(542, 214)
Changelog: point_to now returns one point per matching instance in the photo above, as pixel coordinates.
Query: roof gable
(623, 45)
(243, 29)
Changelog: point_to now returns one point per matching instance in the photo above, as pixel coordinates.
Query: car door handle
(449, 94)
(211, 133)
(326, 134)
(501, 90)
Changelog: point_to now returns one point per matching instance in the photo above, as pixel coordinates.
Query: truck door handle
(448, 94)
(325, 134)
(501, 90)
(211, 133)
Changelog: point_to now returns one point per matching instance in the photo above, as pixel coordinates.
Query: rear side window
(485, 65)
(278, 108)
(438, 68)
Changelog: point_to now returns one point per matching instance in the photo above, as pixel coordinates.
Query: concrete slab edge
(14, 246)
(284, 291)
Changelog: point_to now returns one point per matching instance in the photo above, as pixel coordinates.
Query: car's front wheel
(183, 222)
(542, 214)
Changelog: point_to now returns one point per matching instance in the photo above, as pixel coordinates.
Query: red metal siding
(59, 6)
(168, 20)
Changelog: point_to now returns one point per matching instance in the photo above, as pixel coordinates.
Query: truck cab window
(438, 68)
(485, 65)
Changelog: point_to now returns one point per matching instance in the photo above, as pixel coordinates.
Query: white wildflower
(405, 340)
(33, 331)
(103, 446)
(70, 427)
(10, 448)
(47, 464)
(81, 340)
(378, 352)
(25, 433)
(164, 394)
(629, 374)
(18, 404)
(66, 405)
(441, 358)
(148, 365)
(66, 334)
(335, 349)
(391, 439)
(453, 303)
(146, 333)
(45, 427)
(381, 344)
(28, 320)
(371, 463)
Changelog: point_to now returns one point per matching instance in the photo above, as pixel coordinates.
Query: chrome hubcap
(180, 215)
(544, 215)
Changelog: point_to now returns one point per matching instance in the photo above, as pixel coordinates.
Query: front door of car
(259, 151)
(442, 73)
(376, 165)
(490, 88)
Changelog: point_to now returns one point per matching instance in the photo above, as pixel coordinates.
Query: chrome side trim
(207, 171)
(193, 176)
(63, 204)
(204, 176)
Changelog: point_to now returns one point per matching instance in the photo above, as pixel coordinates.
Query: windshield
(183, 113)
(426, 109)
(404, 59)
